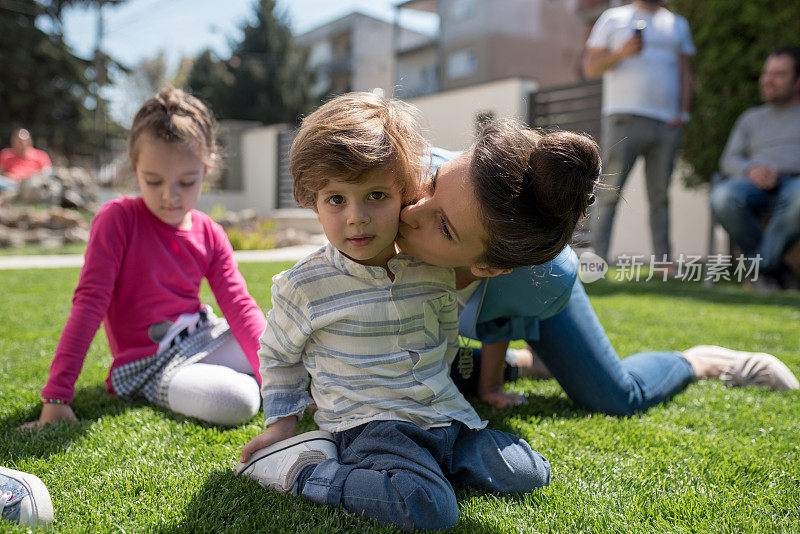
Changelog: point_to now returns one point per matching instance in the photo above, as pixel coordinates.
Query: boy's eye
(152, 183)
(377, 195)
(336, 200)
(188, 184)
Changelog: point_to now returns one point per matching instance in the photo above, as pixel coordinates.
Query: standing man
(21, 161)
(642, 50)
(761, 162)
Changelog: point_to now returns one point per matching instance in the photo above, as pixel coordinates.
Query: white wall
(450, 115)
(259, 168)
(689, 219)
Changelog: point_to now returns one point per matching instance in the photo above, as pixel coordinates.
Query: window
(461, 64)
(463, 9)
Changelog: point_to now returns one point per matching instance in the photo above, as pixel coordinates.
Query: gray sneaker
(24, 498)
(746, 368)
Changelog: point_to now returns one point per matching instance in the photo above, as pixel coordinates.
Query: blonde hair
(352, 135)
(175, 116)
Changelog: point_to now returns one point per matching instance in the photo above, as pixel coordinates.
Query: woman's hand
(490, 380)
(51, 413)
(278, 431)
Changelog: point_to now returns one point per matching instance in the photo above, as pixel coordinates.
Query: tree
(265, 78)
(210, 80)
(144, 80)
(733, 38)
(43, 86)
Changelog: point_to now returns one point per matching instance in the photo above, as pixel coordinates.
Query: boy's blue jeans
(739, 205)
(398, 473)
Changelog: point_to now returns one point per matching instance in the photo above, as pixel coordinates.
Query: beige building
(353, 53)
(481, 41)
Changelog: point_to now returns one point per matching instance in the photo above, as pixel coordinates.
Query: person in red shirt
(22, 161)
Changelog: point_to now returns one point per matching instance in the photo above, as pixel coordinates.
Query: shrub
(733, 38)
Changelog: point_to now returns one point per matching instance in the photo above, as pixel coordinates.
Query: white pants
(220, 389)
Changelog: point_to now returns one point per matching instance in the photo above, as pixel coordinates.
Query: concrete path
(76, 260)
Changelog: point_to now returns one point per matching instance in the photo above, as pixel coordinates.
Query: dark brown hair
(532, 189)
(175, 116)
(352, 135)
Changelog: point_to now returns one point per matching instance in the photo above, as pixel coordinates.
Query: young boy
(377, 331)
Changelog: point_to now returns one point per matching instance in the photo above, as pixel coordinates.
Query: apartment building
(481, 41)
(354, 53)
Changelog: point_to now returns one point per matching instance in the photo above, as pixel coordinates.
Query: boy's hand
(277, 431)
(51, 413)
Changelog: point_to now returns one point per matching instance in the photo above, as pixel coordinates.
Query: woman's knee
(214, 393)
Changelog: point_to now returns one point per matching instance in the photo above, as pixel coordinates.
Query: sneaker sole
(318, 435)
(41, 504)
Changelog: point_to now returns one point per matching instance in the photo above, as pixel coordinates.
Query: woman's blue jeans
(578, 353)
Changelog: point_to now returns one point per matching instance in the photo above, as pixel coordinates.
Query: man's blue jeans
(739, 206)
(397, 473)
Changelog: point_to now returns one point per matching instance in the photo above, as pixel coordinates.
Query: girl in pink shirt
(145, 261)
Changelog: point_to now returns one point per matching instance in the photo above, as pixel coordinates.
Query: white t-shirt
(647, 84)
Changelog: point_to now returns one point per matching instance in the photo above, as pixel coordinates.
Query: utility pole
(99, 82)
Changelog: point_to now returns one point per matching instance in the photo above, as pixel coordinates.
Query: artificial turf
(712, 459)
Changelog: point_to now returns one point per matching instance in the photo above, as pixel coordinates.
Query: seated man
(21, 161)
(762, 164)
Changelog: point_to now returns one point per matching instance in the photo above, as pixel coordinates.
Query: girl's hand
(277, 431)
(51, 413)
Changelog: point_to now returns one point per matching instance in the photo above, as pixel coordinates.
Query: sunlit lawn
(712, 459)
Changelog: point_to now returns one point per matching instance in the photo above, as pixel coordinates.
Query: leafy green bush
(261, 239)
(733, 38)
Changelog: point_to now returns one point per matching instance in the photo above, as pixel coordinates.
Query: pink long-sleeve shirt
(140, 271)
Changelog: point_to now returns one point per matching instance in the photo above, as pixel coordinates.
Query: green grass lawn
(712, 459)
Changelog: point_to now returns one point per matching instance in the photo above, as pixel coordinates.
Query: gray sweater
(764, 135)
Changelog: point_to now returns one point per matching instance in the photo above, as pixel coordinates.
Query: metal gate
(569, 107)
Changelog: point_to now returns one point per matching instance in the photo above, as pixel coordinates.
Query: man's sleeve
(735, 158)
(687, 44)
(600, 34)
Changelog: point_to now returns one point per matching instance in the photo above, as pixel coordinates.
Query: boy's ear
(482, 271)
(212, 162)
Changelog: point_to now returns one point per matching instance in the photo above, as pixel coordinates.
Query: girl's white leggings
(220, 389)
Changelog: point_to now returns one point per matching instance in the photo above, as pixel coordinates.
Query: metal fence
(570, 107)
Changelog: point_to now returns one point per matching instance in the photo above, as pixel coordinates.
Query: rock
(62, 218)
(76, 235)
(291, 237)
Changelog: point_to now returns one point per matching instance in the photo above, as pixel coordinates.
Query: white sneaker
(746, 368)
(24, 498)
(279, 465)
